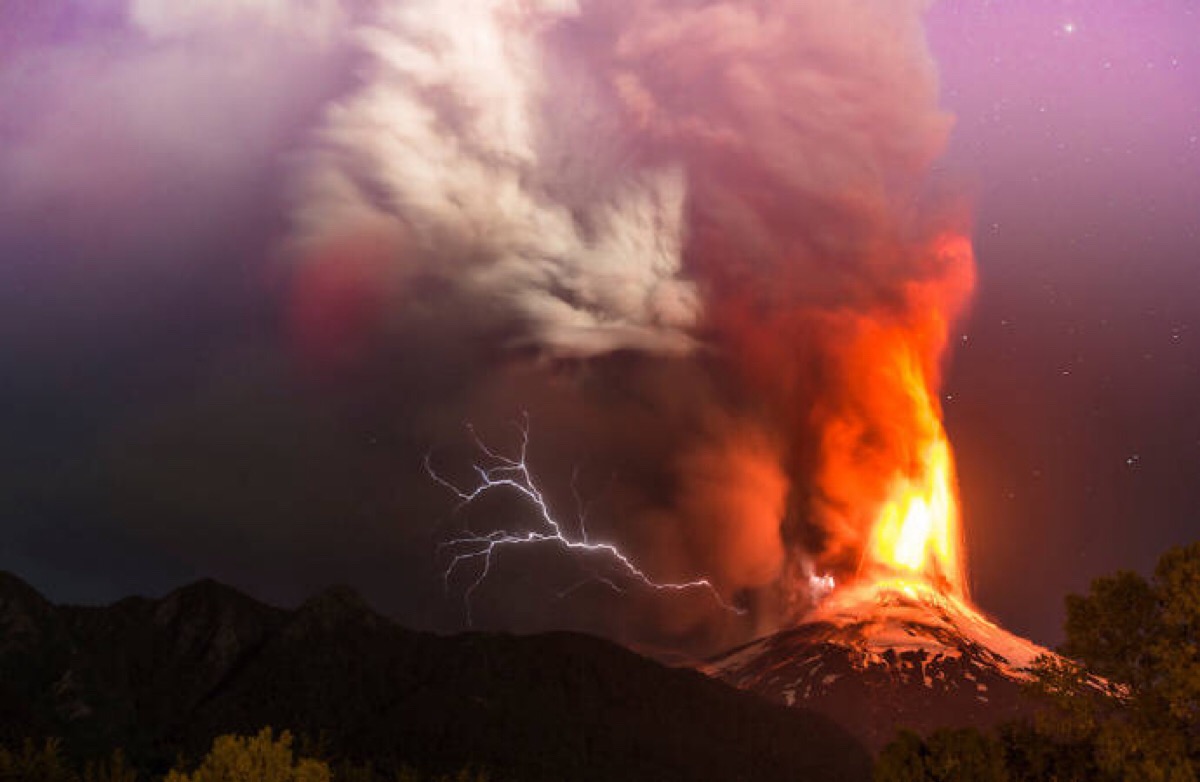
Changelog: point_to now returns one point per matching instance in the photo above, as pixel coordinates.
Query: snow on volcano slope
(881, 657)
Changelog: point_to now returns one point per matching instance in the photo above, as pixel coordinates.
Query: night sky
(1074, 394)
(177, 401)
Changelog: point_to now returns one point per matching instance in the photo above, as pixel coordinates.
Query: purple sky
(140, 311)
(1073, 398)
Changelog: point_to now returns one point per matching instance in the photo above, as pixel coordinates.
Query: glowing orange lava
(917, 534)
(888, 493)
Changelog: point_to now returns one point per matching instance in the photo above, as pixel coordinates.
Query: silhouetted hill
(35, 651)
(162, 677)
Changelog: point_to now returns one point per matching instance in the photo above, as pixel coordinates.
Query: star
(1069, 28)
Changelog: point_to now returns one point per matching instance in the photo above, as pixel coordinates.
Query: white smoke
(452, 151)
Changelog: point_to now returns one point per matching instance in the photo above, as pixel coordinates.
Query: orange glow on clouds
(889, 493)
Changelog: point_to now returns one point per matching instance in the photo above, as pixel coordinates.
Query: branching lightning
(499, 472)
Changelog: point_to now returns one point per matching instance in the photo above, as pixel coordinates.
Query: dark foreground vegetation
(370, 700)
(264, 757)
(1143, 636)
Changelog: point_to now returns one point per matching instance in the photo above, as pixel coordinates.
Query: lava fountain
(896, 643)
(916, 537)
(917, 533)
(886, 478)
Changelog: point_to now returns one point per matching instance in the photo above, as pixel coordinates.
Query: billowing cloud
(737, 185)
(673, 230)
(455, 149)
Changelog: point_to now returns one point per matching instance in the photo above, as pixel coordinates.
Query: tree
(260, 758)
(903, 759)
(115, 769)
(1113, 629)
(1142, 636)
(1177, 649)
(1033, 755)
(35, 763)
(948, 755)
(1121, 705)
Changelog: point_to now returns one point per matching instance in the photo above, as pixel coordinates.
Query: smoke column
(735, 193)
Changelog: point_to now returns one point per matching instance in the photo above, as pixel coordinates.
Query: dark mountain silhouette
(162, 677)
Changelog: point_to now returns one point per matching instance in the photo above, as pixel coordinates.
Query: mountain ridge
(162, 676)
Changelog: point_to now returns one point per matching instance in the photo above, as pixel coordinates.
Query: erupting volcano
(720, 229)
(897, 644)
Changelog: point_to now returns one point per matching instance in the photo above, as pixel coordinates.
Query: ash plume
(721, 208)
(455, 157)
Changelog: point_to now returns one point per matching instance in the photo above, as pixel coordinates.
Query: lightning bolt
(500, 472)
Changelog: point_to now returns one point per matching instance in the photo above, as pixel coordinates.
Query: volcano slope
(880, 657)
